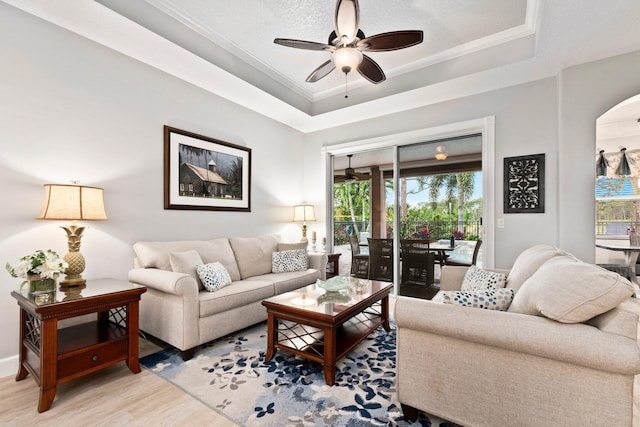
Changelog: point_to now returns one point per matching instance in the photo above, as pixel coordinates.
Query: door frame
(484, 126)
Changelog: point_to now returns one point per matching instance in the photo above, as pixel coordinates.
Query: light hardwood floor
(111, 397)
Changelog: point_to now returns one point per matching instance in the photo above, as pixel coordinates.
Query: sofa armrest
(165, 281)
(318, 261)
(577, 344)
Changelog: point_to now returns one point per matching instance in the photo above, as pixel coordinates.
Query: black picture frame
(203, 173)
(524, 184)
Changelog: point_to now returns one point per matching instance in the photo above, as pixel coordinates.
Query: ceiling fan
(350, 174)
(347, 44)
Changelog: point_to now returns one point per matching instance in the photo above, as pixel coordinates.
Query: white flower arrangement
(47, 264)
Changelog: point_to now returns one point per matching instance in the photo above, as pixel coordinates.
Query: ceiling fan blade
(302, 44)
(393, 40)
(347, 20)
(321, 71)
(361, 176)
(370, 70)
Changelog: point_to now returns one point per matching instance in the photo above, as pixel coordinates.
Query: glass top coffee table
(324, 326)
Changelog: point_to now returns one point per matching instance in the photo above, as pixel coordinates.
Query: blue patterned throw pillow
(477, 279)
(492, 299)
(294, 260)
(213, 275)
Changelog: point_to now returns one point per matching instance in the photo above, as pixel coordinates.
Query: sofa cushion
(186, 262)
(213, 276)
(289, 281)
(294, 260)
(156, 254)
(292, 246)
(253, 254)
(571, 291)
(238, 294)
(477, 279)
(490, 299)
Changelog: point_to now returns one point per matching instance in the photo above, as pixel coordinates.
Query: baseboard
(8, 366)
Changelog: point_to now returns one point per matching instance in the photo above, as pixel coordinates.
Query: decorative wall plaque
(524, 184)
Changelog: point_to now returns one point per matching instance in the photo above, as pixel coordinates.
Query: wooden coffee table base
(323, 339)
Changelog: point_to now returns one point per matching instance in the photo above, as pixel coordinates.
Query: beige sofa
(178, 310)
(550, 359)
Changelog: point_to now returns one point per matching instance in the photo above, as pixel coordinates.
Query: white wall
(72, 109)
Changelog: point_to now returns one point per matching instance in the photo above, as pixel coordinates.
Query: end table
(53, 356)
(333, 265)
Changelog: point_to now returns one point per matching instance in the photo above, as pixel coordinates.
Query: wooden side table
(333, 266)
(53, 356)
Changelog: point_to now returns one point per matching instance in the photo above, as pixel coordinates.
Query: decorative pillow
(214, 276)
(186, 262)
(570, 291)
(294, 260)
(477, 279)
(491, 299)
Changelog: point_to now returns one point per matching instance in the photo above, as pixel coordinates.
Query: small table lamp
(73, 202)
(303, 213)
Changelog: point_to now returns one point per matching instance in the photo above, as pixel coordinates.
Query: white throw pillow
(491, 299)
(186, 262)
(294, 260)
(214, 276)
(477, 279)
(570, 291)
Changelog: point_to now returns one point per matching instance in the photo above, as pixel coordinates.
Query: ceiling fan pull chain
(346, 76)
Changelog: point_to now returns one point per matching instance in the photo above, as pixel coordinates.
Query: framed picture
(202, 173)
(524, 184)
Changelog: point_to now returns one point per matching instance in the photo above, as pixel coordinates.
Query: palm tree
(458, 189)
(354, 199)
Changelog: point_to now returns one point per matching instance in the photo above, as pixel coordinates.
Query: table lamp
(73, 202)
(303, 213)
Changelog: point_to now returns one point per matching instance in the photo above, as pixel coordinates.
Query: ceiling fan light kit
(347, 58)
(347, 44)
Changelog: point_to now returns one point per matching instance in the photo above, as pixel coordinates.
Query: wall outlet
(500, 223)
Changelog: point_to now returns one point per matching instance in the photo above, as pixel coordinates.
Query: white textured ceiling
(246, 28)
(470, 46)
(460, 37)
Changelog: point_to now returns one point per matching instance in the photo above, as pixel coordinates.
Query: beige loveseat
(565, 353)
(178, 310)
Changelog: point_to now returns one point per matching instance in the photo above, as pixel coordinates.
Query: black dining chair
(417, 263)
(359, 261)
(457, 261)
(381, 259)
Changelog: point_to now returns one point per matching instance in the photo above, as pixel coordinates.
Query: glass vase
(42, 290)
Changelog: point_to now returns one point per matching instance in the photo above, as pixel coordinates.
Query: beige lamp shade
(303, 213)
(73, 202)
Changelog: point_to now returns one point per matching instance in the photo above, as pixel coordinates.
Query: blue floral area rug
(230, 376)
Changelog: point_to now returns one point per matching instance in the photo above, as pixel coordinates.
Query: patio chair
(359, 262)
(381, 259)
(453, 260)
(417, 263)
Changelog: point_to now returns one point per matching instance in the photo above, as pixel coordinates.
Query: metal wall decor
(524, 184)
